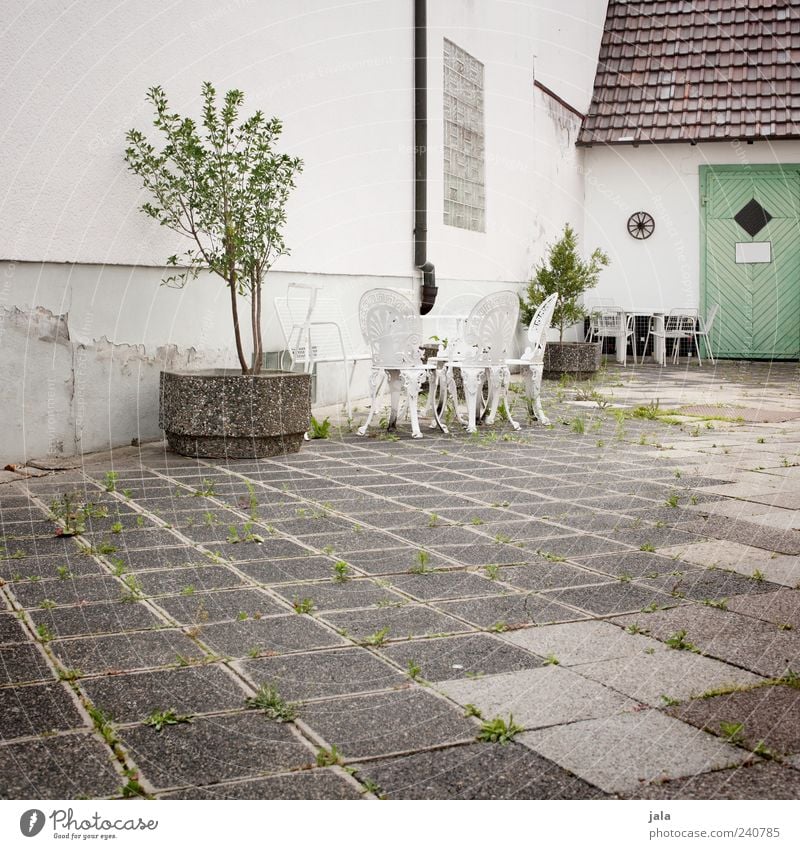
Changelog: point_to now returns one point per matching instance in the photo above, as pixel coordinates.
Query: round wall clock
(641, 225)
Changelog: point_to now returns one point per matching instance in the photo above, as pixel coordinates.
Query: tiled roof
(696, 70)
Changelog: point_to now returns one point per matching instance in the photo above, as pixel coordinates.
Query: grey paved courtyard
(624, 585)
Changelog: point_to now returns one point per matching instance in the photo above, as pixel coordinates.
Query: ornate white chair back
(391, 328)
(490, 329)
(537, 331)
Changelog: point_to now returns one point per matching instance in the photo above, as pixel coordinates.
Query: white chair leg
(395, 385)
(471, 377)
(375, 378)
(412, 381)
(697, 348)
(533, 384)
(453, 391)
(505, 380)
(494, 394)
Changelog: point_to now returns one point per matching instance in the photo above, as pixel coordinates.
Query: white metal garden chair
(483, 353)
(531, 363)
(392, 328)
(314, 331)
(704, 328)
(613, 322)
(679, 324)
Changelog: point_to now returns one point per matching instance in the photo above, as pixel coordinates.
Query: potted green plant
(224, 190)
(565, 272)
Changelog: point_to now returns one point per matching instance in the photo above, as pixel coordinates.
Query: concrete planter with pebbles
(577, 359)
(222, 413)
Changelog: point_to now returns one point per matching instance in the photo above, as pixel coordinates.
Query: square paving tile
(58, 768)
(285, 570)
(274, 635)
(162, 558)
(508, 612)
(11, 631)
(460, 657)
(399, 559)
(305, 785)
(188, 579)
(770, 715)
(708, 584)
(606, 599)
(443, 585)
(104, 618)
(674, 674)
(199, 608)
(21, 663)
(749, 781)
(477, 771)
(550, 695)
(221, 748)
(385, 723)
(120, 652)
(272, 547)
(188, 690)
(779, 568)
(574, 643)
(70, 591)
(634, 563)
(482, 554)
(341, 595)
(322, 674)
(401, 622)
(547, 576)
(781, 607)
(76, 565)
(37, 709)
(620, 753)
(747, 642)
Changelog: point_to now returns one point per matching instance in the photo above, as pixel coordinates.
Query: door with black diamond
(750, 260)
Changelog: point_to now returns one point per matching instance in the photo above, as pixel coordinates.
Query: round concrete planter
(222, 413)
(577, 359)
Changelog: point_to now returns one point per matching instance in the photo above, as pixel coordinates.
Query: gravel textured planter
(577, 359)
(223, 413)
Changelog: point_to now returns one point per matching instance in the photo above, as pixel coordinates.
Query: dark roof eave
(717, 140)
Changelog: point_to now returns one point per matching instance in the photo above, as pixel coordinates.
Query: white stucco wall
(662, 272)
(82, 315)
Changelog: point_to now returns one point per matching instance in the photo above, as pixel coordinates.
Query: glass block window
(464, 152)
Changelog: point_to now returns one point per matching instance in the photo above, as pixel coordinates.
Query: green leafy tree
(564, 272)
(224, 188)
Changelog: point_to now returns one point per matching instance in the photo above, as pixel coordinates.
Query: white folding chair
(314, 331)
(532, 360)
(392, 328)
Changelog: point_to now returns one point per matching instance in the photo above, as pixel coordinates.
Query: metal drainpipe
(421, 261)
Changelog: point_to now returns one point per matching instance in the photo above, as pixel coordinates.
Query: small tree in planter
(566, 273)
(225, 190)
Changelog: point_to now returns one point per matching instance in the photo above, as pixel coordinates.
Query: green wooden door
(750, 259)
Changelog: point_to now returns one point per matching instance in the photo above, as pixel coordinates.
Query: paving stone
(36, 709)
(575, 546)
(400, 559)
(194, 578)
(77, 565)
(778, 568)
(748, 533)
(11, 631)
(768, 715)
(221, 748)
(188, 690)
(634, 563)
(671, 674)
(549, 695)
(708, 584)
(341, 595)
(345, 543)
(401, 622)
(620, 753)
(447, 658)
(397, 517)
(274, 635)
(575, 643)
(605, 599)
(781, 607)
(134, 540)
(162, 558)
(69, 591)
(439, 535)
(305, 785)
(547, 576)
(58, 768)
(104, 618)
(477, 771)
(22, 663)
(322, 674)
(510, 611)
(749, 781)
(316, 523)
(481, 555)
(115, 653)
(200, 608)
(49, 546)
(750, 643)
(385, 723)
(283, 571)
(451, 584)
(264, 551)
